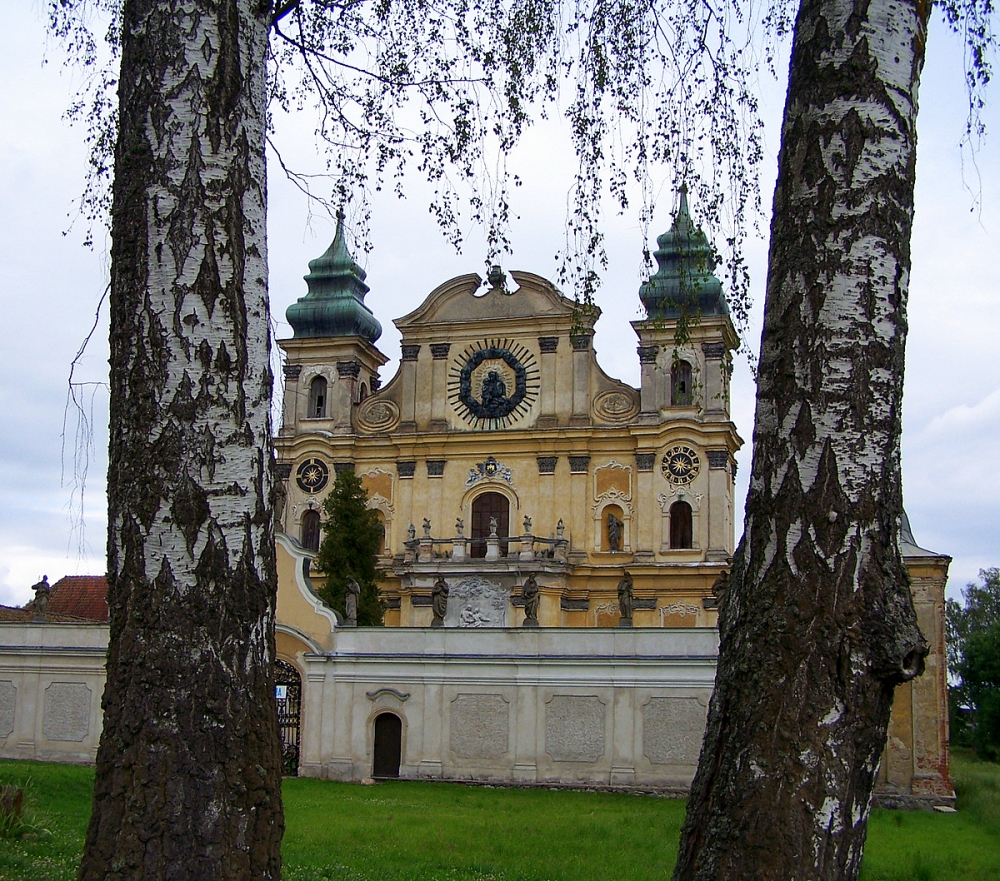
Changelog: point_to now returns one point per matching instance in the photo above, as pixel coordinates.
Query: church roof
(14, 615)
(72, 599)
(335, 305)
(683, 283)
(908, 544)
(82, 596)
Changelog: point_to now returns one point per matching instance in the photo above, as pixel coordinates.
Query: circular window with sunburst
(493, 383)
(680, 465)
(312, 475)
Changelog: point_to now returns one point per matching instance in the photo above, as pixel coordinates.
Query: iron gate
(288, 700)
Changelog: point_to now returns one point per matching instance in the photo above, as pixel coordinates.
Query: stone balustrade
(458, 549)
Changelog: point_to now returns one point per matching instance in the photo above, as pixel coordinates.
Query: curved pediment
(459, 300)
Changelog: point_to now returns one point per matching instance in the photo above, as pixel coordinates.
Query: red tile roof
(14, 615)
(80, 596)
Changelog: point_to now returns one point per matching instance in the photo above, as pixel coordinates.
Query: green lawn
(403, 831)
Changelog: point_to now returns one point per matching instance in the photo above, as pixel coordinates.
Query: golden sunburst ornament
(312, 475)
(680, 465)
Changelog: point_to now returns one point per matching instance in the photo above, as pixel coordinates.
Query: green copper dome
(335, 304)
(684, 282)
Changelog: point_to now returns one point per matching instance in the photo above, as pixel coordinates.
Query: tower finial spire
(335, 304)
(684, 281)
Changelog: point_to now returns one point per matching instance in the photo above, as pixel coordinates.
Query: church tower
(331, 360)
(685, 346)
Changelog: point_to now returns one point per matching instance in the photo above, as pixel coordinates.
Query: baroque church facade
(501, 453)
(502, 461)
(501, 450)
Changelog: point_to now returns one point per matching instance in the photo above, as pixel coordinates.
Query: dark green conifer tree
(352, 536)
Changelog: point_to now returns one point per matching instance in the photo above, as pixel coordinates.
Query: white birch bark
(818, 625)
(189, 767)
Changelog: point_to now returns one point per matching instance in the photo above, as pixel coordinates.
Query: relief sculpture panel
(574, 728)
(672, 729)
(479, 726)
(67, 711)
(8, 702)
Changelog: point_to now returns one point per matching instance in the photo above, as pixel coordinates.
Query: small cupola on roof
(684, 282)
(335, 303)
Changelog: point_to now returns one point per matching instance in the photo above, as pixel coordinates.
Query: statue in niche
(42, 591)
(351, 599)
(626, 600)
(614, 533)
(439, 602)
(530, 595)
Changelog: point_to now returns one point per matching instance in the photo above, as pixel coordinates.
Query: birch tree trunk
(188, 769)
(818, 626)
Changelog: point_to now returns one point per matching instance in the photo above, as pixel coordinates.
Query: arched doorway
(388, 745)
(288, 700)
(483, 508)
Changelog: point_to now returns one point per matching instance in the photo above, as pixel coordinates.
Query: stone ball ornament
(493, 383)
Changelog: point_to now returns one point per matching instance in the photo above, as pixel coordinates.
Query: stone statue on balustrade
(41, 603)
(439, 602)
(626, 600)
(531, 597)
(351, 600)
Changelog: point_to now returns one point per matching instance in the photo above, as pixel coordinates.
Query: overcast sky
(50, 288)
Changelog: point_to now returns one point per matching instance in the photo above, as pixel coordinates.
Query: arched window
(310, 530)
(483, 508)
(680, 525)
(362, 392)
(317, 398)
(680, 384)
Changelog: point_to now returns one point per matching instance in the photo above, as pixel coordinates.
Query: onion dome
(684, 282)
(335, 305)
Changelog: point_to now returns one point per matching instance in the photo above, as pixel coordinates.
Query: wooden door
(388, 745)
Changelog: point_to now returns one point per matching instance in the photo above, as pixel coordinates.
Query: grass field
(403, 831)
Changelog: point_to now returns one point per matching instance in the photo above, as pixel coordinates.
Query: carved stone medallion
(378, 415)
(616, 405)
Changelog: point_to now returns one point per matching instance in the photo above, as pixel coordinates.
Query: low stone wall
(605, 707)
(608, 707)
(51, 683)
